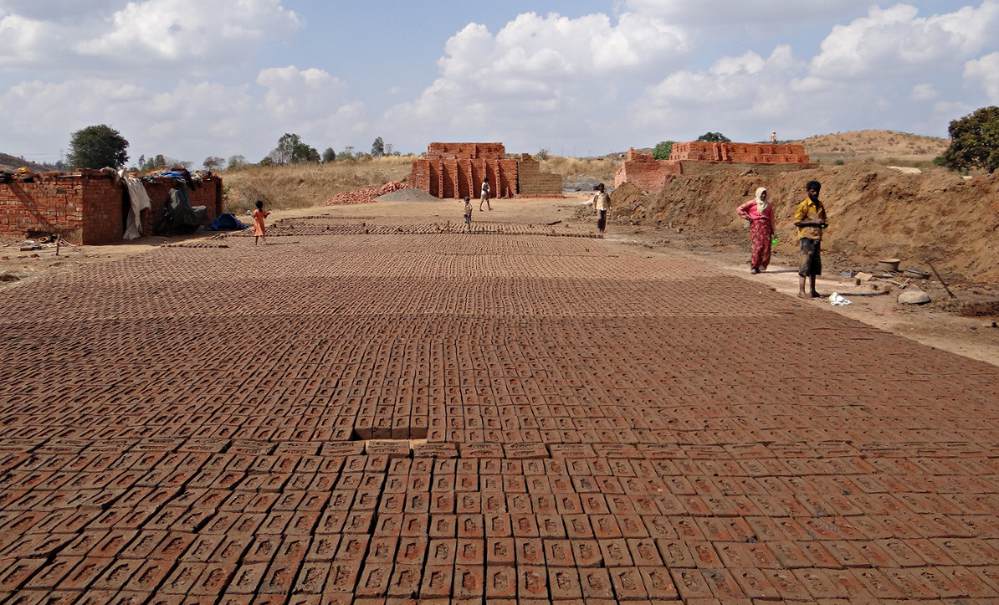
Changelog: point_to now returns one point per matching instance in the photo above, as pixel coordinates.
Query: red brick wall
(86, 208)
(50, 204)
(103, 217)
(466, 151)
(646, 173)
(739, 153)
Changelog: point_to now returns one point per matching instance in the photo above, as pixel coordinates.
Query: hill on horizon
(879, 145)
(12, 162)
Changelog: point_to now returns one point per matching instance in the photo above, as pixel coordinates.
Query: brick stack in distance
(651, 175)
(456, 170)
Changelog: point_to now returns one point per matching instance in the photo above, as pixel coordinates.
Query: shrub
(663, 150)
(974, 142)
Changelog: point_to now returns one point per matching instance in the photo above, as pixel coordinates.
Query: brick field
(506, 416)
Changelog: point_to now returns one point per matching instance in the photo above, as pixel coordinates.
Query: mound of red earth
(874, 212)
(367, 195)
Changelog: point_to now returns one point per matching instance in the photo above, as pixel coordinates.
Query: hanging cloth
(139, 201)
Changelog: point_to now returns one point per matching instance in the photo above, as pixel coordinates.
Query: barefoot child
(468, 212)
(259, 227)
(810, 219)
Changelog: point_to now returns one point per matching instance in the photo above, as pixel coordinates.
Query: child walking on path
(468, 213)
(259, 226)
(484, 197)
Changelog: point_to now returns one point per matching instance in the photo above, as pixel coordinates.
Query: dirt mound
(365, 195)
(408, 195)
(626, 195)
(874, 212)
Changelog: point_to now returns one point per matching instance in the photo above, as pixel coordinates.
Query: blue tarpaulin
(227, 222)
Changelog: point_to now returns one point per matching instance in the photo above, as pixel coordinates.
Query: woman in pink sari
(760, 215)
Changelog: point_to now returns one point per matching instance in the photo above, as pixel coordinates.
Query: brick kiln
(649, 174)
(456, 170)
(646, 172)
(739, 153)
(88, 207)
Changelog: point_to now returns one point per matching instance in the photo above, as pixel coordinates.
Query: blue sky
(582, 77)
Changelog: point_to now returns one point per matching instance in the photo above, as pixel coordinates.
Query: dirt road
(568, 419)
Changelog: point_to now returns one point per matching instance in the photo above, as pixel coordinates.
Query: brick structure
(739, 153)
(646, 172)
(87, 207)
(535, 183)
(456, 170)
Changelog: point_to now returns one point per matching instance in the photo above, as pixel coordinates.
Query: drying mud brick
(604, 435)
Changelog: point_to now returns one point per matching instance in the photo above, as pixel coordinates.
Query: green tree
(542, 155)
(141, 162)
(291, 150)
(974, 142)
(98, 147)
(663, 150)
(213, 163)
(236, 162)
(329, 155)
(714, 137)
(378, 148)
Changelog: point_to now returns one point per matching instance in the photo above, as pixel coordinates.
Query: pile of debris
(367, 195)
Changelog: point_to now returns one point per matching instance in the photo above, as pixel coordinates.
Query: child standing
(259, 227)
(468, 212)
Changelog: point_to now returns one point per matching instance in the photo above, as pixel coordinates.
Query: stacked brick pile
(367, 195)
(88, 207)
(645, 172)
(739, 153)
(533, 182)
(456, 170)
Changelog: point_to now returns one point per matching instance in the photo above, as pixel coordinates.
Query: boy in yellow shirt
(810, 219)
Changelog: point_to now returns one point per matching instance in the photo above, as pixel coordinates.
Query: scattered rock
(8, 277)
(863, 277)
(914, 297)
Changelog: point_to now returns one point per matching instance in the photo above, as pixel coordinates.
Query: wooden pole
(942, 282)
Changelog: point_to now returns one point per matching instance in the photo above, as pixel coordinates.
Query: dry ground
(302, 186)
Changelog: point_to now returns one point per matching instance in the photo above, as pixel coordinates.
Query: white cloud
(189, 120)
(744, 90)
(296, 93)
(537, 74)
(985, 72)
(924, 92)
(743, 11)
(23, 40)
(104, 34)
(897, 40)
(179, 29)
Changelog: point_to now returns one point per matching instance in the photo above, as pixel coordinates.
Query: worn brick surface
(188, 426)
